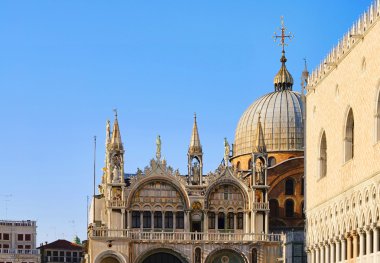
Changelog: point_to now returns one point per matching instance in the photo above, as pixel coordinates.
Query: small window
(323, 156)
(179, 220)
(20, 237)
(169, 219)
(211, 220)
(240, 220)
(349, 139)
(230, 220)
(289, 208)
(377, 116)
(5, 236)
(157, 219)
(147, 219)
(221, 222)
(28, 237)
(289, 187)
(135, 219)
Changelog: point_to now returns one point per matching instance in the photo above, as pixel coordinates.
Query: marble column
(361, 243)
(141, 221)
(187, 221)
(312, 256)
(246, 220)
(343, 244)
(332, 251)
(216, 222)
(174, 221)
(123, 219)
(349, 247)
(368, 240)
(129, 219)
(375, 239)
(235, 222)
(355, 245)
(317, 252)
(322, 253)
(327, 252)
(205, 221)
(337, 250)
(266, 222)
(152, 220)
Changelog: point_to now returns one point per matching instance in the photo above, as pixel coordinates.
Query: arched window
(323, 156)
(135, 219)
(272, 161)
(221, 224)
(378, 118)
(147, 219)
(211, 220)
(168, 219)
(230, 220)
(240, 220)
(197, 255)
(274, 207)
(349, 139)
(249, 164)
(254, 255)
(179, 220)
(289, 186)
(157, 219)
(289, 208)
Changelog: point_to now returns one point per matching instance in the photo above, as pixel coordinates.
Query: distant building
(18, 242)
(61, 251)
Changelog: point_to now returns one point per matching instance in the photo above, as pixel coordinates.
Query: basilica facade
(159, 215)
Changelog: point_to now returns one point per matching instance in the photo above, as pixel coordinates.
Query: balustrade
(151, 236)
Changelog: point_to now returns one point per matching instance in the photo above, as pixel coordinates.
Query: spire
(304, 76)
(283, 79)
(259, 145)
(195, 143)
(116, 136)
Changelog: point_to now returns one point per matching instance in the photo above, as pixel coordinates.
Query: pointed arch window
(377, 116)
(349, 138)
(323, 156)
(240, 220)
(147, 219)
(230, 220)
(211, 220)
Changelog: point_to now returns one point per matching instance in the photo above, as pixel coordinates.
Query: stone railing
(260, 206)
(347, 42)
(19, 251)
(184, 237)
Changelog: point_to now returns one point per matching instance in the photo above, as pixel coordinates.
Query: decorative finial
(226, 152)
(195, 116)
(283, 35)
(115, 111)
(305, 64)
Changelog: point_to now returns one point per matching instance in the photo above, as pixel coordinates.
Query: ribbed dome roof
(281, 119)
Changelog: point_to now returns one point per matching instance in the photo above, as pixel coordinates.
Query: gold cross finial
(115, 111)
(283, 35)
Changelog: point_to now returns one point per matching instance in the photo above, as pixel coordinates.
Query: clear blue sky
(64, 65)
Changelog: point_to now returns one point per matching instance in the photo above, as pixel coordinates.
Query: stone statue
(158, 147)
(108, 131)
(115, 174)
(196, 173)
(259, 172)
(226, 151)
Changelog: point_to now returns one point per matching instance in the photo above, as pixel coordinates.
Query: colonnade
(355, 244)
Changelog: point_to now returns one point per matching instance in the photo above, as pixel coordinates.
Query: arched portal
(109, 260)
(226, 256)
(161, 255)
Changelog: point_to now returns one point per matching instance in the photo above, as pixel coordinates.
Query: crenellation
(346, 43)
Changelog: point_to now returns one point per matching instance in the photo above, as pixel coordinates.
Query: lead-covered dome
(281, 118)
(281, 114)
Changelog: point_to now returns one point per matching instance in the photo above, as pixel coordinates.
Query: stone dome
(281, 119)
